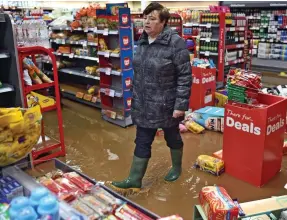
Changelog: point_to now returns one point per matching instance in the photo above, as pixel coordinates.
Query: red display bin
(253, 139)
(203, 88)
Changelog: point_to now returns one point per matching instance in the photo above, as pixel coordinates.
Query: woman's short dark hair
(164, 14)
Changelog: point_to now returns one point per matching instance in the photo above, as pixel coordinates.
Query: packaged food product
(4, 215)
(69, 186)
(57, 189)
(128, 212)
(194, 127)
(102, 45)
(25, 126)
(210, 164)
(79, 181)
(84, 209)
(64, 49)
(92, 37)
(106, 197)
(218, 154)
(212, 118)
(97, 205)
(220, 99)
(217, 204)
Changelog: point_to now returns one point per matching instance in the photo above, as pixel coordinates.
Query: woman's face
(152, 24)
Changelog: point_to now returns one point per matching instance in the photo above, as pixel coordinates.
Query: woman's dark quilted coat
(162, 80)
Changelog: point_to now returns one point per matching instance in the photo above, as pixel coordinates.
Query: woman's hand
(177, 113)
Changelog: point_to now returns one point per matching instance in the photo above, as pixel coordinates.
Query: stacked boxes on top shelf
(115, 66)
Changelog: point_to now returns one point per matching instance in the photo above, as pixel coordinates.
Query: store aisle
(104, 152)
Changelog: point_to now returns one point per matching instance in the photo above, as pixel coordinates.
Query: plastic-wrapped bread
(217, 204)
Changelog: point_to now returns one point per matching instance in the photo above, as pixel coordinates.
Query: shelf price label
(206, 53)
(95, 30)
(86, 30)
(85, 43)
(232, 29)
(110, 92)
(108, 71)
(107, 54)
(207, 39)
(106, 32)
(208, 25)
(71, 55)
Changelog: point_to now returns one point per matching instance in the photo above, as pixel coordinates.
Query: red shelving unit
(47, 147)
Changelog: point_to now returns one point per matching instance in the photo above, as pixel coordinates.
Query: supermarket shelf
(123, 123)
(81, 42)
(49, 108)
(109, 32)
(253, 17)
(113, 72)
(39, 86)
(77, 56)
(108, 54)
(72, 96)
(235, 29)
(200, 25)
(95, 30)
(209, 39)
(228, 63)
(78, 72)
(234, 46)
(111, 92)
(208, 53)
(6, 88)
(4, 55)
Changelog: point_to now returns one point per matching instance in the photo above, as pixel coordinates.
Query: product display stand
(57, 149)
(116, 68)
(221, 40)
(10, 86)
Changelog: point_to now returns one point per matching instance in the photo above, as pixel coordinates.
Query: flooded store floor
(104, 152)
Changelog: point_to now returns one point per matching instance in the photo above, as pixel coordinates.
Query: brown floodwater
(104, 152)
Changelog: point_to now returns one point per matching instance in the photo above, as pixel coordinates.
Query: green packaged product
(4, 211)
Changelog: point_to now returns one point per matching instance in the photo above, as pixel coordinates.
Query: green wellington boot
(175, 171)
(133, 183)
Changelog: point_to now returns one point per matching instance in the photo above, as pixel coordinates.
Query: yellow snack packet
(194, 127)
(210, 164)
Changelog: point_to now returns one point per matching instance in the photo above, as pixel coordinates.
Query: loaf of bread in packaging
(210, 164)
(217, 204)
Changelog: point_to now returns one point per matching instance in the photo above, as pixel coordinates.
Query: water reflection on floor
(104, 152)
